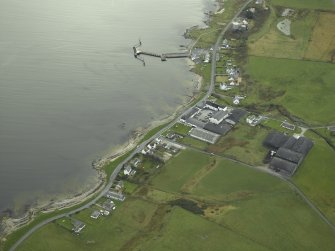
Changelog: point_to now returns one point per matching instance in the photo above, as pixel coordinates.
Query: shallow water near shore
(69, 82)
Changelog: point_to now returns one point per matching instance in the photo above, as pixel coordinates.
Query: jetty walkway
(163, 56)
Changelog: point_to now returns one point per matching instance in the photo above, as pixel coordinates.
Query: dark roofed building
(204, 135)
(236, 115)
(283, 166)
(222, 128)
(289, 155)
(275, 140)
(188, 115)
(195, 123)
(290, 143)
(290, 152)
(303, 145)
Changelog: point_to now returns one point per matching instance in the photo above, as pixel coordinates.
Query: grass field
(244, 209)
(322, 42)
(243, 143)
(304, 88)
(186, 231)
(316, 176)
(259, 207)
(179, 169)
(306, 4)
(272, 43)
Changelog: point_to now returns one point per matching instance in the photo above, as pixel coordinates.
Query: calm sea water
(68, 80)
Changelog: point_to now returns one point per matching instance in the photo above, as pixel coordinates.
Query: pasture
(243, 209)
(306, 4)
(179, 169)
(270, 42)
(304, 88)
(243, 143)
(322, 42)
(316, 176)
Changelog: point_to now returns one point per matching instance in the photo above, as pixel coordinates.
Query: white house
(127, 170)
(207, 58)
(152, 146)
(224, 87)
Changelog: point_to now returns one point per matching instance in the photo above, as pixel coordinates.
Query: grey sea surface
(68, 80)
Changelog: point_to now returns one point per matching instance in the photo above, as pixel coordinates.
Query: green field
(186, 231)
(306, 4)
(316, 176)
(270, 42)
(304, 88)
(243, 143)
(179, 169)
(263, 209)
(243, 209)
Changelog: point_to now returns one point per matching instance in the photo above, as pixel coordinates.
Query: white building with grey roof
(219, 117)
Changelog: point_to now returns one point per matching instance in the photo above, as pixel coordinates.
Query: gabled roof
(204, 135)
(196, 122)
(236, 114)
(222, 128)
(220, 115)
(128, 168)
(210, 103)
(303, 145)
(190, 113)
(284, 166)
(275, 140)
(289, 155)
